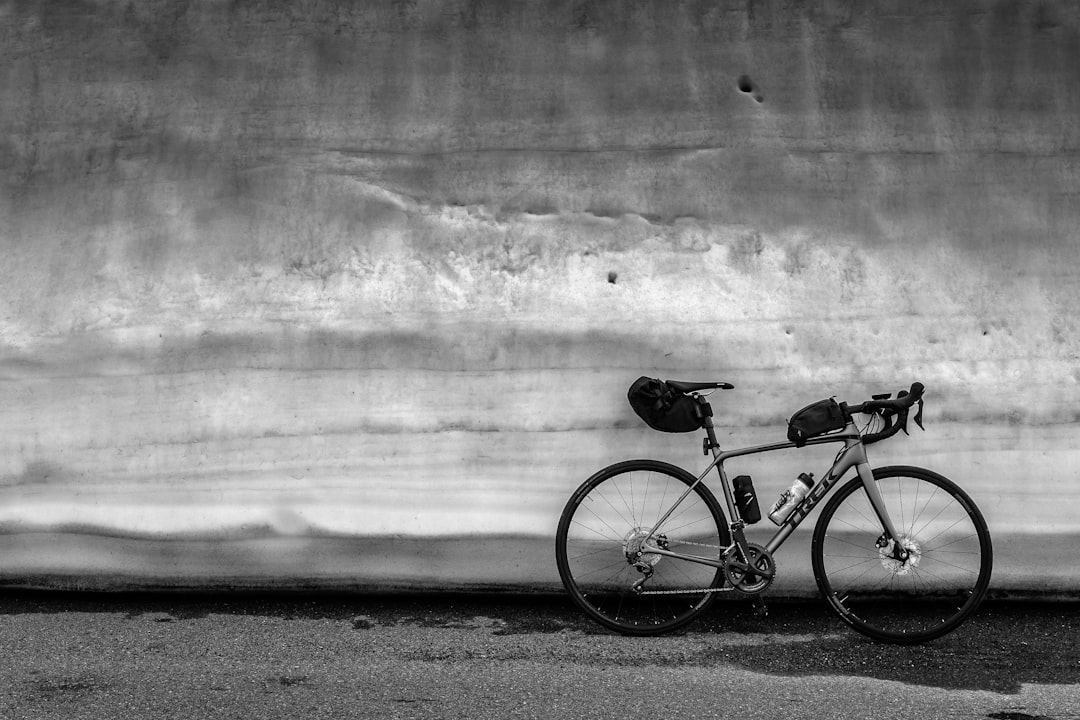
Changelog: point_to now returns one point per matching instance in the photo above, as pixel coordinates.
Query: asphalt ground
(441, 655)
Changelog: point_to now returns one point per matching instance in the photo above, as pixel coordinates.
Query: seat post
(705, 413)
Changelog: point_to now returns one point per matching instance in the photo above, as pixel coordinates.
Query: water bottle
(790, 498)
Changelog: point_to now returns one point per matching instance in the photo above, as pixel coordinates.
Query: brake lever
(902, 415)
(918, 418)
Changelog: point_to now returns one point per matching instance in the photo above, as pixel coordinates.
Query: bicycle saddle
(685, 387)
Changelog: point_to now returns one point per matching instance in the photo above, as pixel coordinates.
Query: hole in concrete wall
(746, 85)
(612, 277)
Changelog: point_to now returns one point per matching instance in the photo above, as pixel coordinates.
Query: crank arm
(743, 548)
(753, 570)
(760, 610)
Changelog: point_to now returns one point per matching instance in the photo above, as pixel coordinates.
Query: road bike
(899, 553)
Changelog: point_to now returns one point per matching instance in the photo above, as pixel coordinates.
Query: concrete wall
(349, 294)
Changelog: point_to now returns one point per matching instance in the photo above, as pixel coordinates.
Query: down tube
(854, 455)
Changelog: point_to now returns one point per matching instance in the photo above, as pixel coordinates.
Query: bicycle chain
(688, 591)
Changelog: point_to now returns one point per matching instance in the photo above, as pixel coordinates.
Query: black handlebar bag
(815, 419)
(663, 408)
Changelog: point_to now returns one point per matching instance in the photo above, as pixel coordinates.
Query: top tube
(850, 432)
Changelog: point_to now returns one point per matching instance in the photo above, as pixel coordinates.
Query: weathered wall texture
(350, 293)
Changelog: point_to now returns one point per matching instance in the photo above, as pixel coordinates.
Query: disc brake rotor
(636, 549)
(897, 566)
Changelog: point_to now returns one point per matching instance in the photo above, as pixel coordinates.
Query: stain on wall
(282, 280)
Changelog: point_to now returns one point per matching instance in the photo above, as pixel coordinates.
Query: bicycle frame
(853, 455)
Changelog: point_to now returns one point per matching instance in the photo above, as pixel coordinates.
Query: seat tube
(729, 496)
(866, 474)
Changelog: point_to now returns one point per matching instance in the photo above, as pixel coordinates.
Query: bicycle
(899, 553)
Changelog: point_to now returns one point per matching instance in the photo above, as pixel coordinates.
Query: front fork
(866, 474)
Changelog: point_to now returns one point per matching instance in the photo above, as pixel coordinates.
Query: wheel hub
(637, 550)
(891, 560)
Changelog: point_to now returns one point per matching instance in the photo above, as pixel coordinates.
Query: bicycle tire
(595, 543)
(936, 589)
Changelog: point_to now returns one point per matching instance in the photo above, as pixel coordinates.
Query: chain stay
(697, 544)
(689, 591)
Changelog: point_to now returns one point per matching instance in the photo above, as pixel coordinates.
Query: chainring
(748, 582)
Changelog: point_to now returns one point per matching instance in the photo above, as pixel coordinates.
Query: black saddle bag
(814, 420)
(663, 408)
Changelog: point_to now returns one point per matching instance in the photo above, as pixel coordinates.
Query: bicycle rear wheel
(924, 597)
(604, 526)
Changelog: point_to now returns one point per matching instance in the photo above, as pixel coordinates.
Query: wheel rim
(915, 592)
(603, 531)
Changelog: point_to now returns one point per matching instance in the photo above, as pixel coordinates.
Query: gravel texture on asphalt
(443, 655)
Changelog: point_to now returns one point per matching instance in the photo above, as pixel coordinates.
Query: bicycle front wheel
(938, 586)
(602, 547)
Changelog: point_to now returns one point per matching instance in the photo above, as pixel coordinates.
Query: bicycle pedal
(760, 611)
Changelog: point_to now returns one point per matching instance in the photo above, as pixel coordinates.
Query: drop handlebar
(894, 412)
